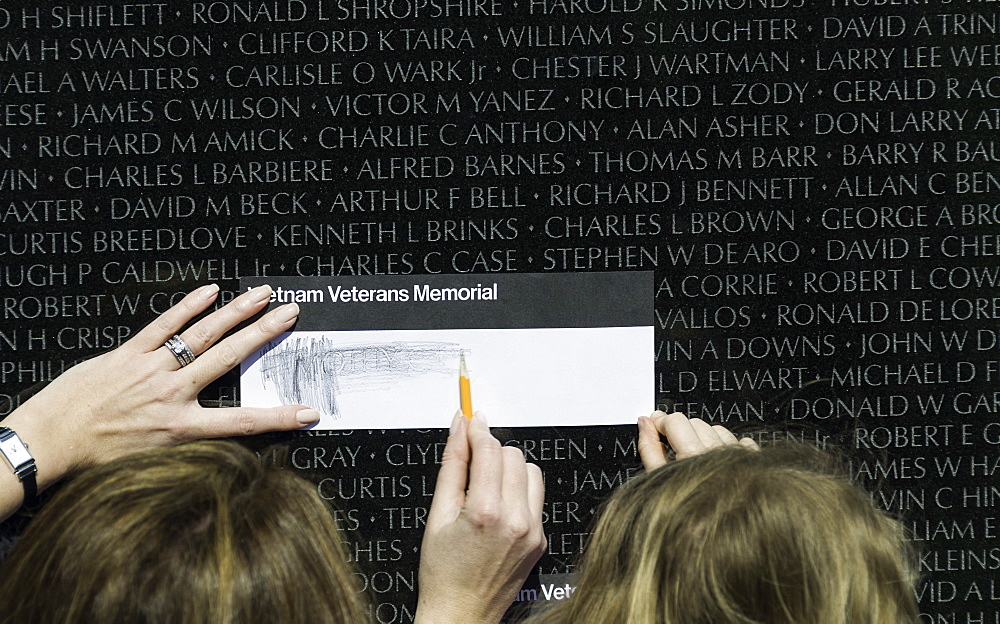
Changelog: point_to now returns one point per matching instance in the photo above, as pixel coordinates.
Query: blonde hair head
(199, 534)
(735, 536)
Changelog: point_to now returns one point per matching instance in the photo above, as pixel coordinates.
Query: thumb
(651, 450)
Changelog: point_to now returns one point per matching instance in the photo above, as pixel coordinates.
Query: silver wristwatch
(15, 451)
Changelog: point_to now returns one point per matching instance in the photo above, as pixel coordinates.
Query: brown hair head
(197, 534)
(735, 536)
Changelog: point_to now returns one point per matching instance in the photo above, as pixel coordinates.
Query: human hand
(138, 396)
(688, 437)
(484, 529)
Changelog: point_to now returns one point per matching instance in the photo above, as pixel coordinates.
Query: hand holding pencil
(484, 529)
(464, 387)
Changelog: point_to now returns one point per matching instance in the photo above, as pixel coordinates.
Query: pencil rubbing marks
(315, 372)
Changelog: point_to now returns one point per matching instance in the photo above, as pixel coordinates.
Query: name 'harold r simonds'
(420, 292)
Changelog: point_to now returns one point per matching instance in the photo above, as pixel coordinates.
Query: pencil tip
(462, 370)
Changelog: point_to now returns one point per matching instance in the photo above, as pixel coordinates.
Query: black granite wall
(815, 185)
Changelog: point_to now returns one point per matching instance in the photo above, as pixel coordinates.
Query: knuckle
(449, 455)
(266, 325)
(244, 305)
(227, 355)
(518, 528)
(202, 334)
(724, 434)
(487, 443)
(487, 517)
(190, 304)
(245, 422)
(164, 324)
(512, 453)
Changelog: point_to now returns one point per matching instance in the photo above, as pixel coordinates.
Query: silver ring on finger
(180, 349)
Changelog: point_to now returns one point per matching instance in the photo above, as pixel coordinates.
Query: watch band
(16, 453)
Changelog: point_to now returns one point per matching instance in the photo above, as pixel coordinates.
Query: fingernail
(482, 418)
(260, 293)
(306, 416)
(455, 422)
(209, 291)
(286, 312)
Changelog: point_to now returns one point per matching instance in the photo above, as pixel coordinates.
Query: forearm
(434, 615)
(35, 428)
(431, 614)
(458, 611)
(460, 605)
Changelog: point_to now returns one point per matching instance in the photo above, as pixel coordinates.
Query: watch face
(15, 451)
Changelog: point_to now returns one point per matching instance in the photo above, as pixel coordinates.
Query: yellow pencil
(464, 388)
